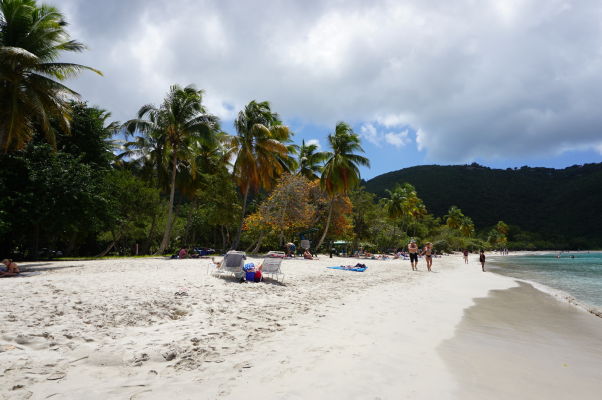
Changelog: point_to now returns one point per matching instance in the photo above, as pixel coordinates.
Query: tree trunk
(327, 224)
(236, 240)
(71, 245)
(146, 248)
(221, 229)
(258, 245)
(110, 246)
(168, 225)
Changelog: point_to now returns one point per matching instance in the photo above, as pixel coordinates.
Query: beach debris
(169, 355)
(56, 376)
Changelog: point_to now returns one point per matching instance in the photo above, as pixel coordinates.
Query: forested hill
(564, 203)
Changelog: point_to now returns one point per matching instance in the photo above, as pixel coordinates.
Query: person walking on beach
(427, 252)
(465, 253)
(413, 250)
(482, 260)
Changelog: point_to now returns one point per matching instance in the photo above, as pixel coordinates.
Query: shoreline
(113, 329)
(561, 295)
(523, 343)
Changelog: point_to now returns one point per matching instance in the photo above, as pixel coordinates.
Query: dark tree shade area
(560, 207)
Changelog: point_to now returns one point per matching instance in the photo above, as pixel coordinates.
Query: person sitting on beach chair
(12, 269)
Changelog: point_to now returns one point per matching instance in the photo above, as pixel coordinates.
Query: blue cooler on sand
(250, 276)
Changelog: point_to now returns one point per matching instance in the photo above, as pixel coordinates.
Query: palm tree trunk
(242, 219)
(327, 224)
(168, 225)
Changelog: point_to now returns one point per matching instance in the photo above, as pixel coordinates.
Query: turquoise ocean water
(580, 277)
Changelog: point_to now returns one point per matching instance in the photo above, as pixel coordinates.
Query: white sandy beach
(115, 329)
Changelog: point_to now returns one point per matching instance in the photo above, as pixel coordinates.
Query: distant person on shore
(482, 260)
(183, 253)
(12, 269)
(465, 253)
(413, 250)
(307, 255)
(427, 252)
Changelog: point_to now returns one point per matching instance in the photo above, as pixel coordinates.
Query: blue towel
(349, 269)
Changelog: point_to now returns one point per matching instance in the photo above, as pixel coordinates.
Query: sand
(116, 329)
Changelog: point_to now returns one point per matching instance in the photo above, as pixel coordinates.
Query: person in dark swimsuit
(427, 252)
(482, 260)
(413, 250)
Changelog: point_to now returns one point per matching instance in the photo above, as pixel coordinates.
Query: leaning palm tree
(176, 127)
(32, 94)
(310, 161)
(341, 172)
(260, 152)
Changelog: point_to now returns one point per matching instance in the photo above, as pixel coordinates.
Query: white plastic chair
(271, 267)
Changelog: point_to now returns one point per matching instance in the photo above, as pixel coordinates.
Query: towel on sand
(350, 268)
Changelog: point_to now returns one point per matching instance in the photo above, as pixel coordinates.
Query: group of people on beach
(428, 253)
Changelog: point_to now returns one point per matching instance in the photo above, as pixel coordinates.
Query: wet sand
(523, 343)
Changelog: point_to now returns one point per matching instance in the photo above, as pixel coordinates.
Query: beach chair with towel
(271, 267)
(232, 263)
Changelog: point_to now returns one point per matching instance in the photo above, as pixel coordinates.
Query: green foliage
(554, 205)
(53, 200)
(32, 38)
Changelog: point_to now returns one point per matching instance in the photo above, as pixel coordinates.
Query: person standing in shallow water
(482, 260)
(413, 250)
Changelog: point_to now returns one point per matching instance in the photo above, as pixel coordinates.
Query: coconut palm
(454, 217)
(310, 161)
(32, 38)
(404, 205)
(259, 150)
(341, 171)
(466, 227)
(173, 130)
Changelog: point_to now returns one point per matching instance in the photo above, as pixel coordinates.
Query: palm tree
(310, 161)
(341, 171)
(174, 129)
(260, 152)
(404, 205)
(32, 38)
(454, 217)
(466, 226)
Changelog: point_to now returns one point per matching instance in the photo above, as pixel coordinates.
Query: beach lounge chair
(271, 267)
(276, 254)
(232, 264)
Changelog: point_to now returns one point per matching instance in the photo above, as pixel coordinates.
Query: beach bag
(250, 276)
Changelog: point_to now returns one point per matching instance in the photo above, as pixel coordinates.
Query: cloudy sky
(503, 83)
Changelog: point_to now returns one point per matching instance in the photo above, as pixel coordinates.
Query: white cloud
(368, 131)
(314, 141)
(473, 79)
(397, 139)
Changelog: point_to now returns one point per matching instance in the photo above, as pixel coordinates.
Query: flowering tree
(286, 210)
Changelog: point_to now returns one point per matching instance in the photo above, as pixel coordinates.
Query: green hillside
(560, 205)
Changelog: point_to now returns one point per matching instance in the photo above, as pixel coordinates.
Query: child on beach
(482, 260)
(12, 269)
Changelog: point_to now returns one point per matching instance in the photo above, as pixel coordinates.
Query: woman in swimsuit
(427, 252)
(11, 268)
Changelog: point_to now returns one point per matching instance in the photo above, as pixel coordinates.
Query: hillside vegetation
(557, 208)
